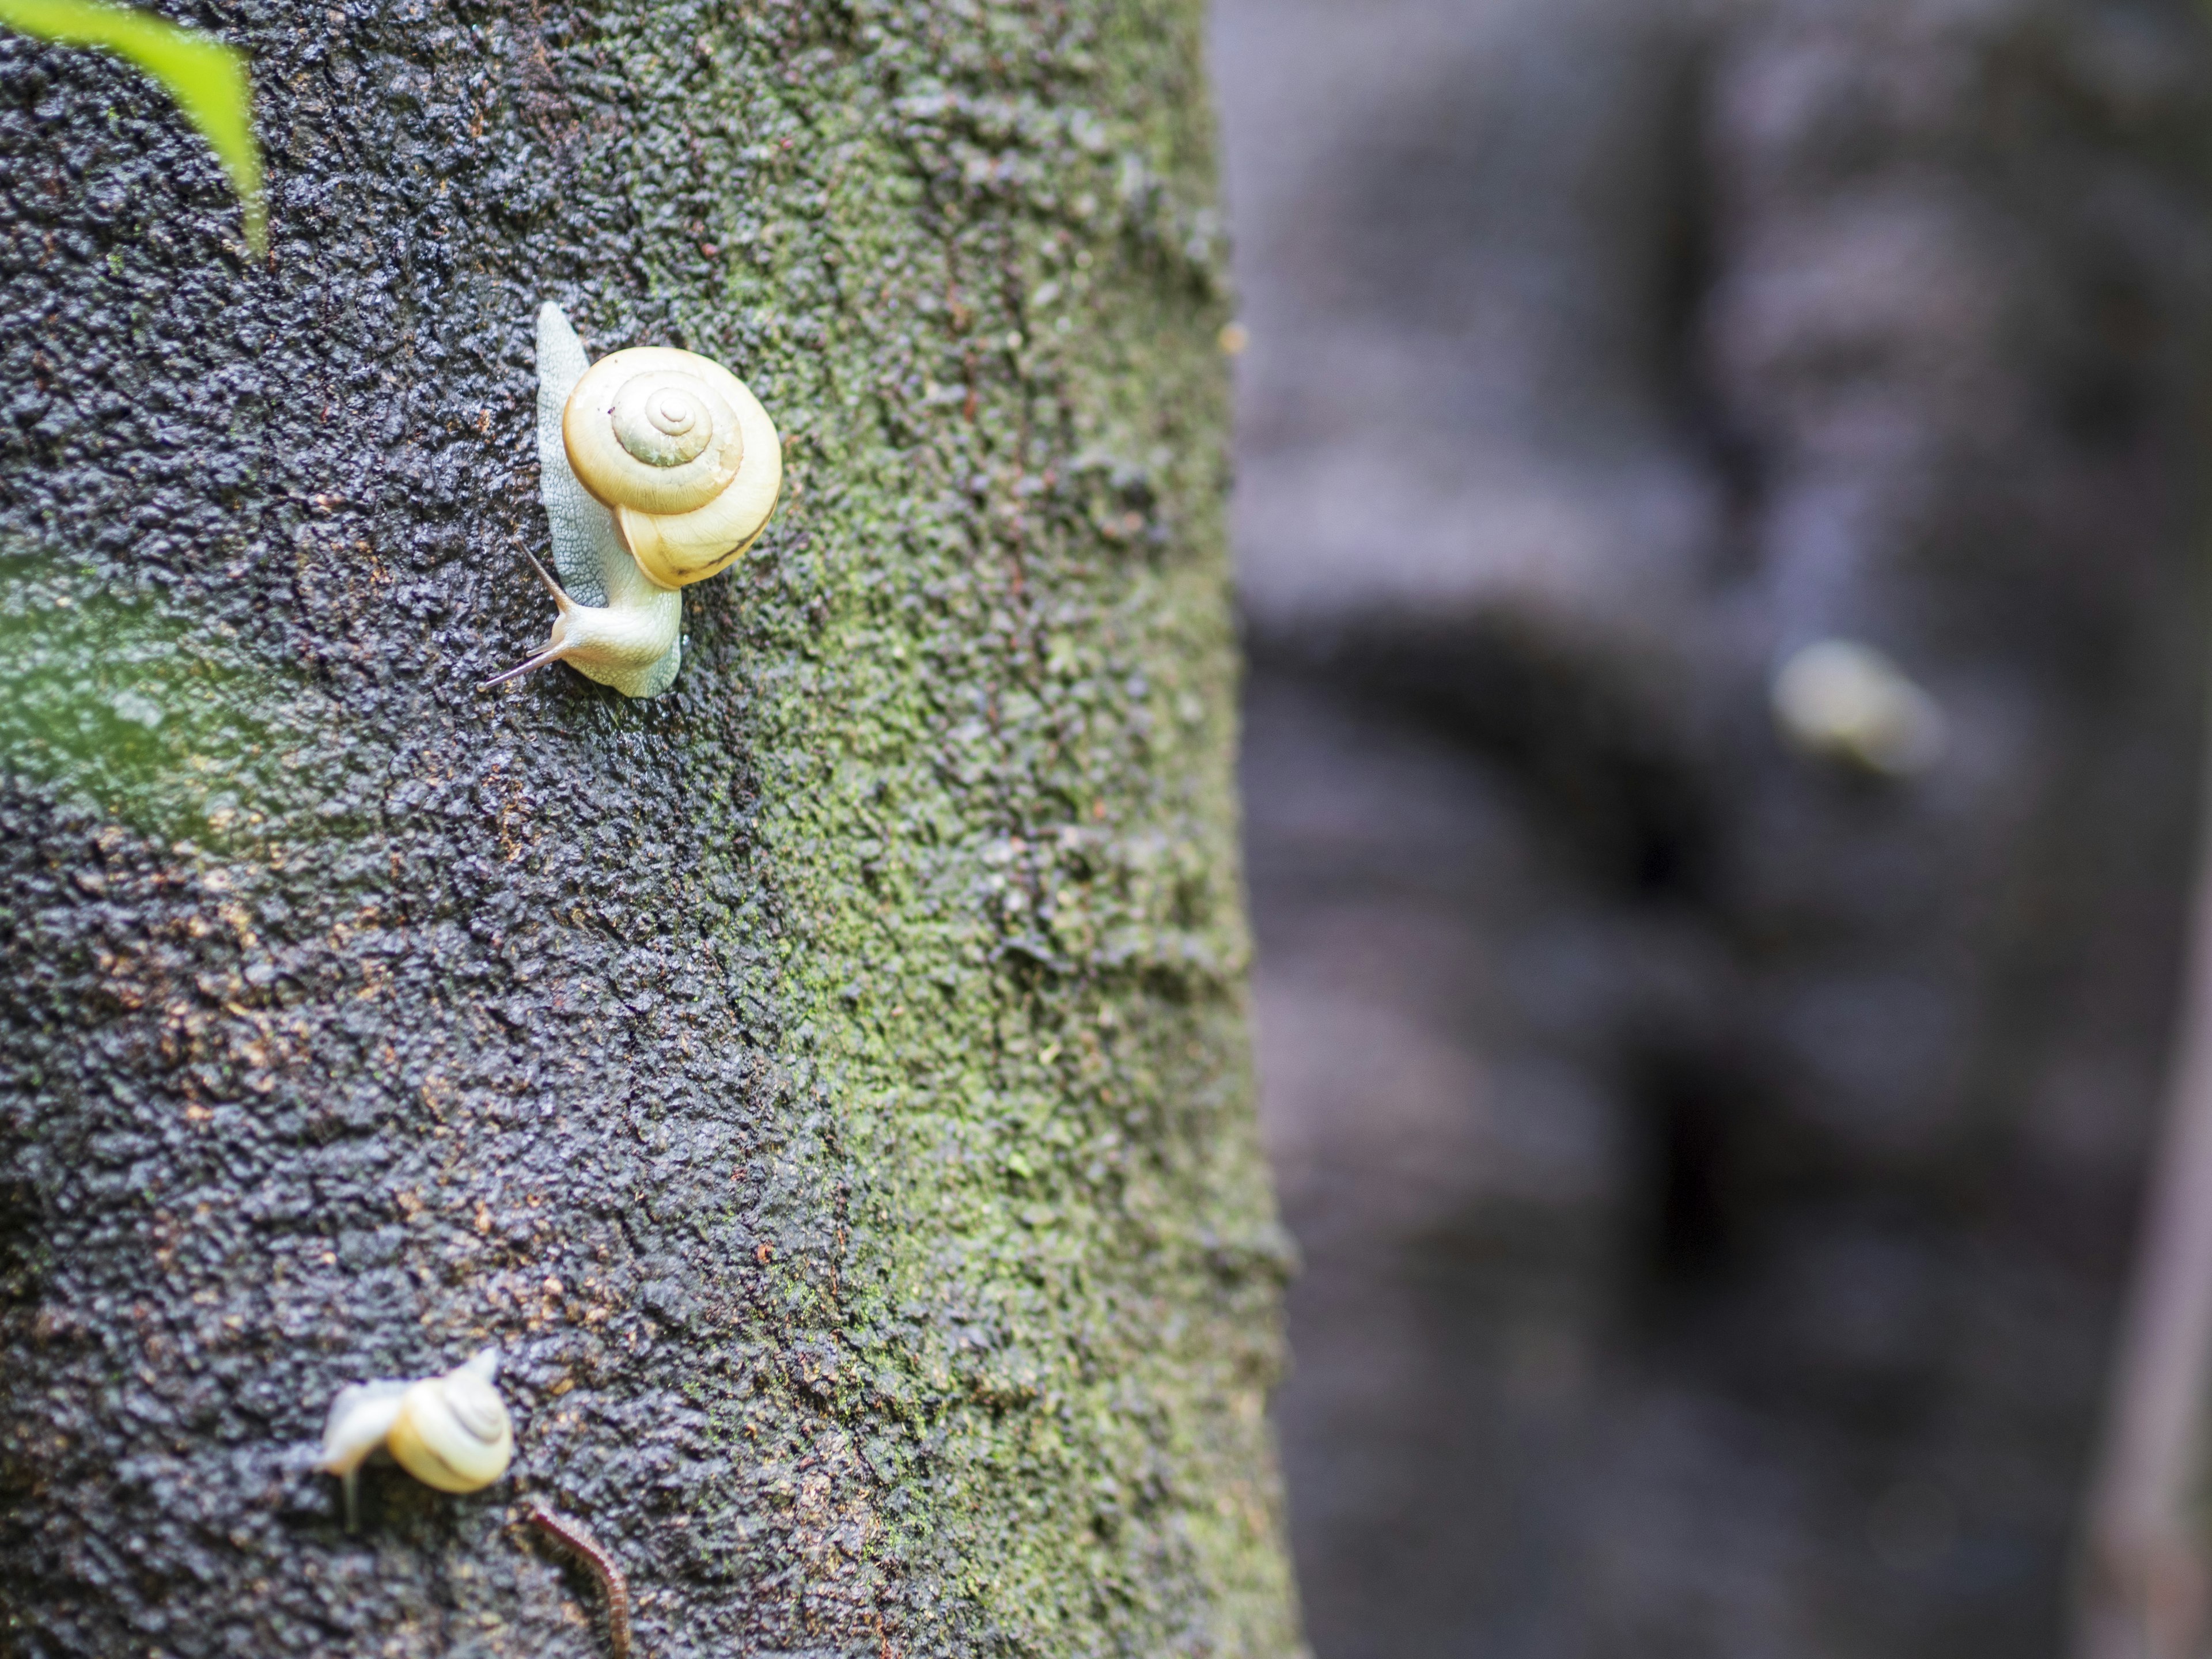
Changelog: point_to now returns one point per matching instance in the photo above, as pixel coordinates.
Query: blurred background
(1719, 519)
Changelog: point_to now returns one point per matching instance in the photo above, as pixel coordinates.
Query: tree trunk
(825, 1083)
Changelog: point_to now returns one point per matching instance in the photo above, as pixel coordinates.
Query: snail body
(452, 1432)
(360, 1419)
(658, 468)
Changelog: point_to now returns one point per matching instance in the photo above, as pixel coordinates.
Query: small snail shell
(452, 1431)
(1840, 699)
(681, 451)
(658, 468)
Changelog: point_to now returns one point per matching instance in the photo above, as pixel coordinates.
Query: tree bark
(826, 1084)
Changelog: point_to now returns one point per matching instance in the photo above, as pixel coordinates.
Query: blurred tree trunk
(826, 1084)
(1715, 1163)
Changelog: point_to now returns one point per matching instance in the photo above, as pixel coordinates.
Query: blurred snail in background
(659, 468)
(452, 1431)
(1839, 699)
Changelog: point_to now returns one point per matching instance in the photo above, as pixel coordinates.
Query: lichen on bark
(827, 1082)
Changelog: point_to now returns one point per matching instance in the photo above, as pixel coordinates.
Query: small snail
(1841, 701)
(658, 468)
(452, 1431)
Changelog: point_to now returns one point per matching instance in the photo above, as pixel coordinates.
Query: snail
(659, 468)
(452, 1431)
(1841, 701)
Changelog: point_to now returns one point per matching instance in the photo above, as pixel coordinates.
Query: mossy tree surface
(826, 1084)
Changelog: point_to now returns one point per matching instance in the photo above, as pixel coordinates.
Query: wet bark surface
(825, 1083)
(1715, 1167)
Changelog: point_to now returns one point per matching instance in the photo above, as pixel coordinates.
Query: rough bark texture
(826, 1084)
(1714, 1169)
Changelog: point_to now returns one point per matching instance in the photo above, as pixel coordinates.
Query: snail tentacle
(618, 645)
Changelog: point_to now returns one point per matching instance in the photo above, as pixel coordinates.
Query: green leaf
(209, 80)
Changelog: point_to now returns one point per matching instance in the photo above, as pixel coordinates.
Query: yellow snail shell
(452, 1431)
(681, 451)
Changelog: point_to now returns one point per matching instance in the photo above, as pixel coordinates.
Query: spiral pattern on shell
(681, 452)
(453, 1431)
